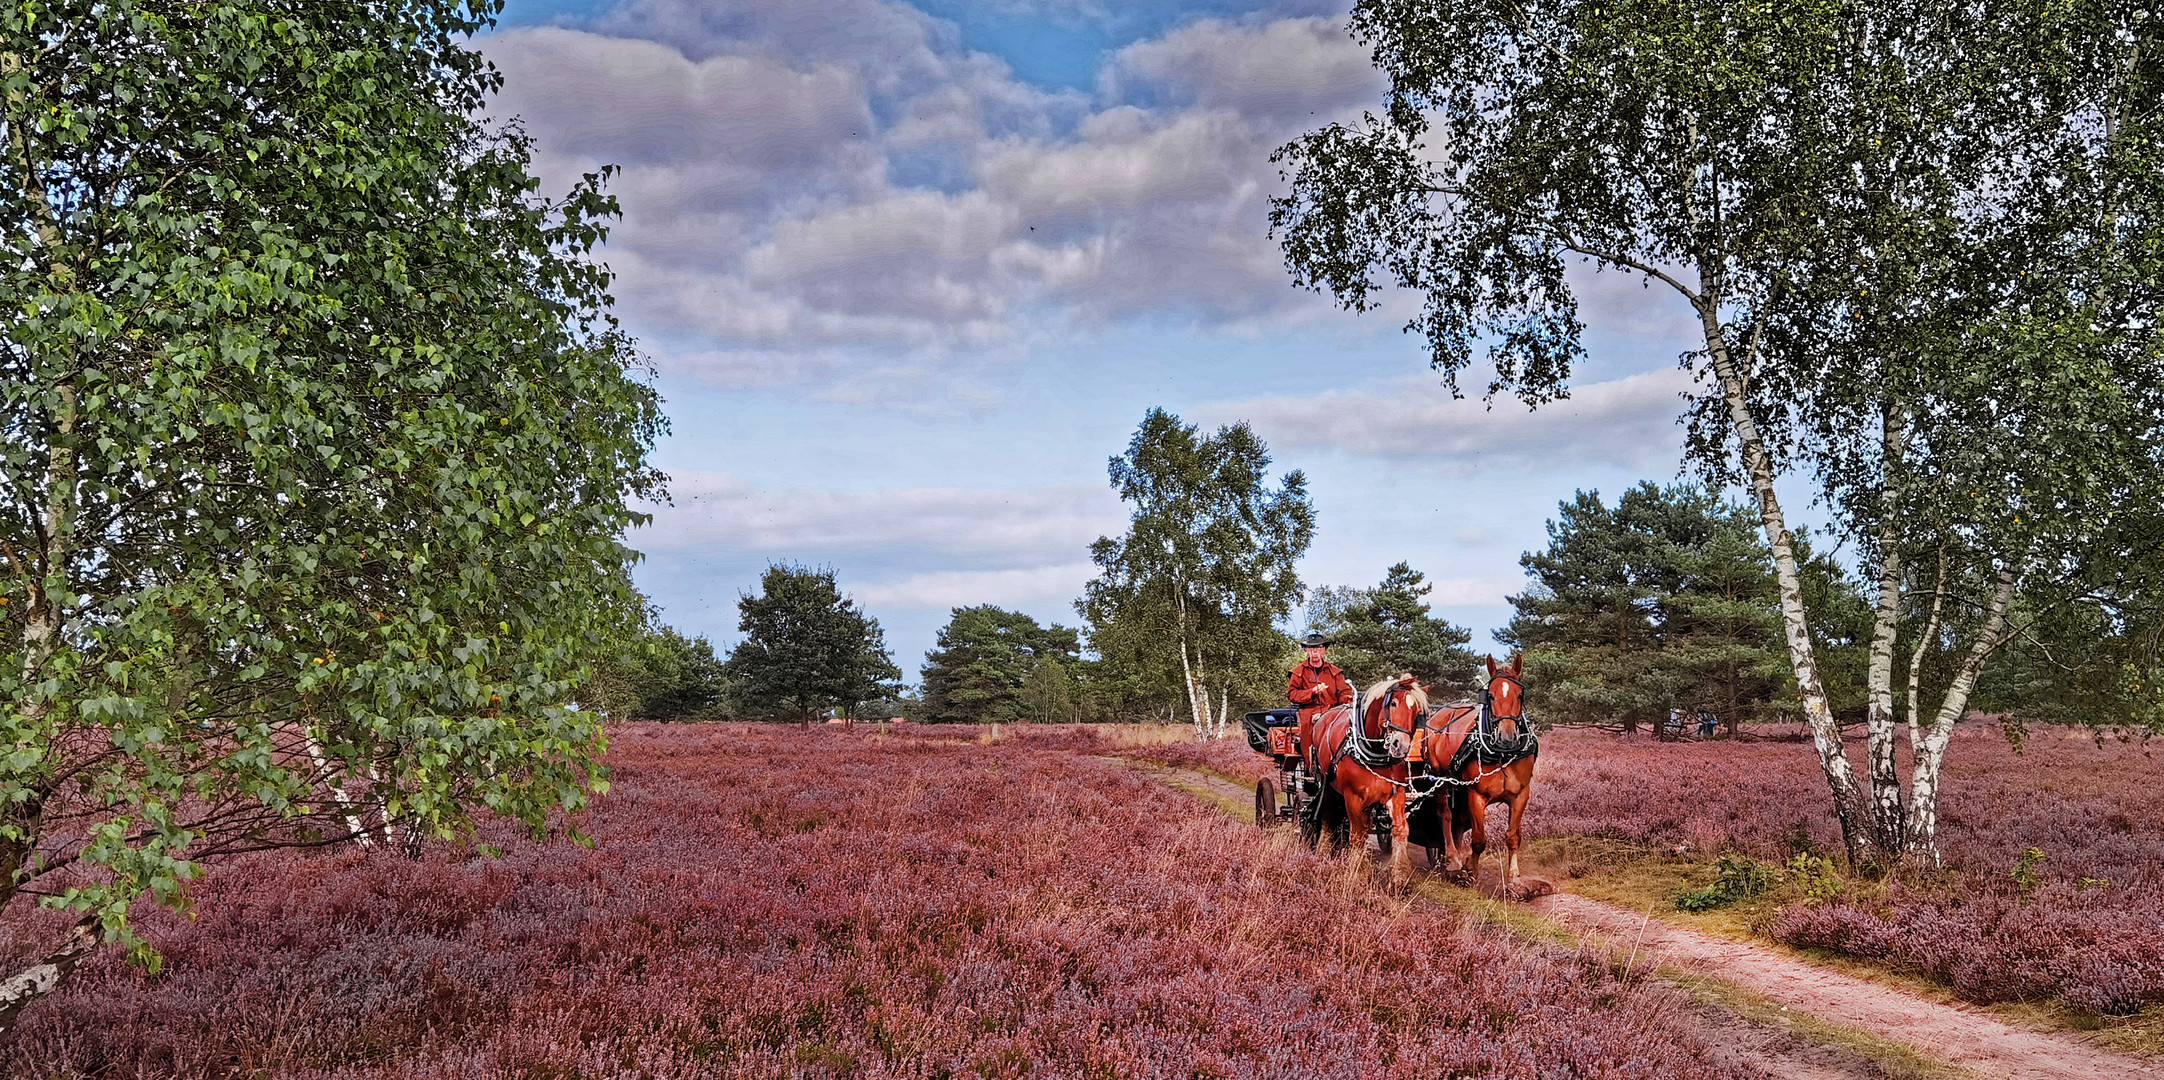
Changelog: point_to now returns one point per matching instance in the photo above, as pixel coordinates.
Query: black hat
(1317, 641)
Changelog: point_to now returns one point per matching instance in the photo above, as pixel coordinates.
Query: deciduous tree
(1920, 240)
(807, 648)
(659, 675)
(319, 442)
(1189, 599)
(1049, 692)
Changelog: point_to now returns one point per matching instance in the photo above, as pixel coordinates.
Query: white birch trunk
(36, 980)
(1795, 621)
(1202, 695)
(1195, 702)
(1922, 649)
(1923, 838)
(1889, 819)
(334, 781)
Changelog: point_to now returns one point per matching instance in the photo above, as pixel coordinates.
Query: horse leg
(1476, 805)
(1337, 806)
(1401, 844)
(1357, 825)
(1510, 839)
(1452, 811)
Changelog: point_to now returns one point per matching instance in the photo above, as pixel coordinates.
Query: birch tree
(319, 447)
(1918, 241)
(1192, 595)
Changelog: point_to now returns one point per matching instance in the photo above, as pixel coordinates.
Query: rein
(1373, 752)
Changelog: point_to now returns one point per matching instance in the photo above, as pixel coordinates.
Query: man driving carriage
(1316, 684)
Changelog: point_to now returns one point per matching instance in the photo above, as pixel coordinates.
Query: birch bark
(1923, 838)
(1922, 649)
(1795, 621)
(36, 980)
(1889, 818)
(1198, 699)
(47, 568)
(1194, 704)
(336, 782)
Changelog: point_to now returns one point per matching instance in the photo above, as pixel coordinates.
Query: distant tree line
(807, 651)
(1661, 603)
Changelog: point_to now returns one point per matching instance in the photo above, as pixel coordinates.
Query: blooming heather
(827, 903)
(2089, 931)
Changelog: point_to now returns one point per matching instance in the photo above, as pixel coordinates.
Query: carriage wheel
(1308, 817)
(1265, 803)
(1379, 828)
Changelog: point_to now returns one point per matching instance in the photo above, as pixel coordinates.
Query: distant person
(1705, 724)
(1316, 685)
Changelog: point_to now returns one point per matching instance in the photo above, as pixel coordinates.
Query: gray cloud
(1289, 69)
(1628, 421)
(834, 177)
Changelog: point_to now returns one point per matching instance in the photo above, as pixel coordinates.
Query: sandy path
(1950, 1033)
(1955, 1034)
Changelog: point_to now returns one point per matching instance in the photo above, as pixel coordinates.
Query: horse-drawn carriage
(1405, 771)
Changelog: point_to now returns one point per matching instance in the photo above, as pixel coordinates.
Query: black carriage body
(1282, 797)
(1258, 725)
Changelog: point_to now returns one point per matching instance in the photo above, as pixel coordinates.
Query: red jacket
(1318, 687)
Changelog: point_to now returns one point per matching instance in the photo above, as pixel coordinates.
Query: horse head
(1504, 697)
(1394, 707)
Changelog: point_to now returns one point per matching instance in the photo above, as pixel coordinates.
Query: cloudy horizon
(911, 273)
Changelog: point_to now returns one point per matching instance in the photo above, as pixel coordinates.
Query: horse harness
(1370, 754)
(1492, 752)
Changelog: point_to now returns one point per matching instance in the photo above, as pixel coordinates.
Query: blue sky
(911, 274)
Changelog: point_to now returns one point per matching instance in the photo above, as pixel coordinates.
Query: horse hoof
(1530, 888)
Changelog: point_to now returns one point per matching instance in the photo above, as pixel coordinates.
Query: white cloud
(1624, 421)
(812, 183)
(1289, 68)
(963, 528)
(1038, 586)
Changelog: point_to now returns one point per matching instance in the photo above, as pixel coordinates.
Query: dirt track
(1953, 1034)
(1957, 1035)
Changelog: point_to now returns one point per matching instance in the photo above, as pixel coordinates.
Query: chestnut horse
(1365, 769)
(1481, 751)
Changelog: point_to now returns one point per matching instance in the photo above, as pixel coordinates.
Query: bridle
(1375, 751)
(1487, 706)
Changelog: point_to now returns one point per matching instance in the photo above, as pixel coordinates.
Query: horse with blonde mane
(1363, 769)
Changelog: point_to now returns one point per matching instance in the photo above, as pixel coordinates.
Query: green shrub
(1820, 878)
(1735, 877)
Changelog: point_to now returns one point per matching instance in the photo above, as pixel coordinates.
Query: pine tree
(1663, 602)
(1387, 631)
(983, 658)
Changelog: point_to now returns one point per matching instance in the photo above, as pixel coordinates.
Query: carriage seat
(1258, 725)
